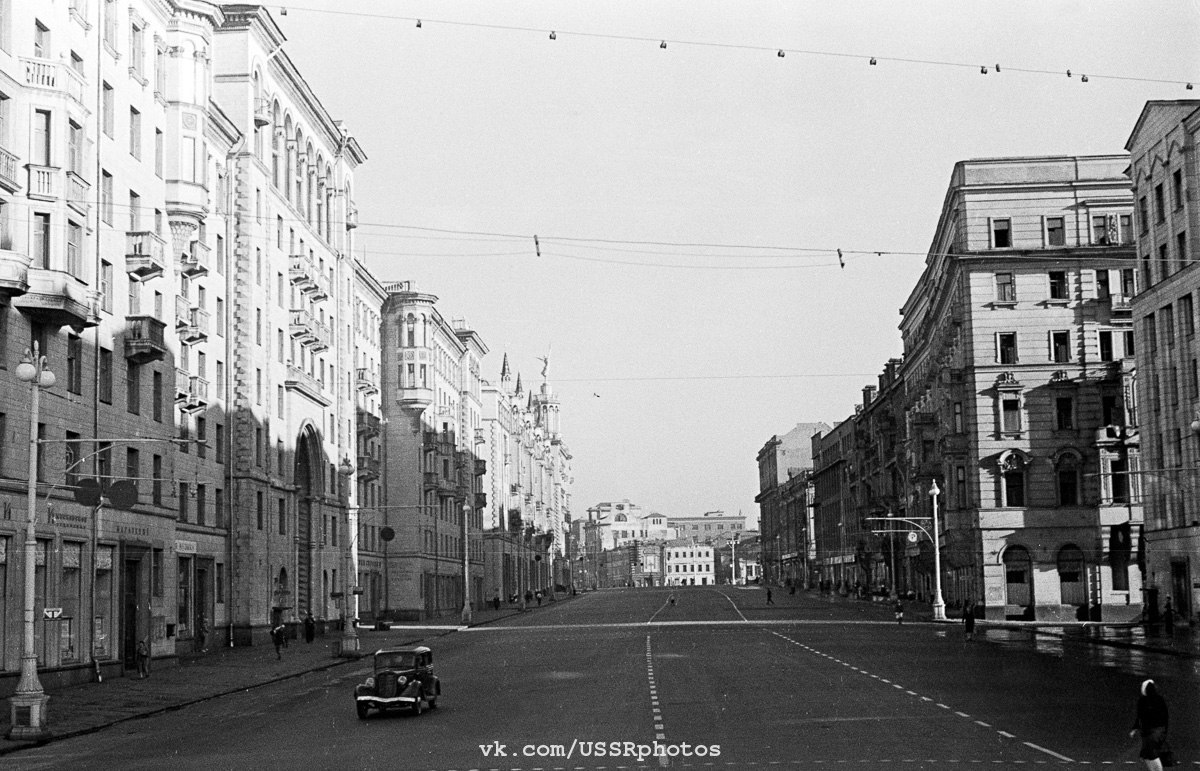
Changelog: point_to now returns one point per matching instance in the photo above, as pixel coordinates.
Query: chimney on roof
(869, 395)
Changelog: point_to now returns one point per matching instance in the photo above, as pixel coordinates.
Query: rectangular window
(156, 484)
(1181, 248)
(136, 49)
(1064, 413)
(157, 396)
(106, 375)
(1014, 488)
(158, 152)
(201, 504)
(183, 502)
(1060, 346)
(1068, 485)
(258, 508)
(1143, 216)
(1006, 348)
(106, 286)
(1102, 288)
(1187, 318)
(1001, 233)
(75, 364)
(201, 437)
(258, 326)
(219, 312)
(41, 40)
(73, 453)
(1058, 285)
(283, 516)
(106, 197)
(1010, 410)
(133, 463)
(135, 211)
(75, 145)
(74, 248)
(1168, 324)
(133, 386)
(1160, 205)
(1006, 289)
(1055, 232)
(1106, 345)
(1128, 282)
(107, 109)
(41, 241)
(156, 572)
(958, 417)
(220, 378)
(219, 443)
(135, 132)
(219, 510)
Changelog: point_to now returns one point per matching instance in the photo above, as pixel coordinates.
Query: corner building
(1165, 174)
(1019, 388)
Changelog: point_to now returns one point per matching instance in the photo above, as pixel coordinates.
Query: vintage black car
(402, 678)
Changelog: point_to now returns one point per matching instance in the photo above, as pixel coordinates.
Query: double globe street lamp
(28, 717)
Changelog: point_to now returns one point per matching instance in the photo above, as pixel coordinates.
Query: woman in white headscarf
(1151, 723)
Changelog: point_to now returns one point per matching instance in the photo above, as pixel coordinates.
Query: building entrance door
(129, 613)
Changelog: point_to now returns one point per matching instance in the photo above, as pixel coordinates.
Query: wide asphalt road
(718, 680)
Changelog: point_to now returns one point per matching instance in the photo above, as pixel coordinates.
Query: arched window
(1070, 576)
(1066, 478)
(299, 171)
(309, 184)
(410, 331)
(288, 159)
(1013, 464)
(276, 139)
(1017, 578)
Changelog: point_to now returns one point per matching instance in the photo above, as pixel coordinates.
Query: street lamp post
(939, 605)
(734, 560)
(466, 551)
(28, 718)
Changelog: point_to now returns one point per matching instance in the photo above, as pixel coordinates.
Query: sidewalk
(1184, 642)
(89, 707)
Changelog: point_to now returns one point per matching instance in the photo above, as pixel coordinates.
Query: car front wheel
(362, 709)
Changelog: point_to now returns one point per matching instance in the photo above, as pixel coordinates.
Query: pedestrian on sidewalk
(143, 659)
(969, 620)
(1151, 723)
(538, 595)
(899, 611)
(310, 628)
(496, 602)
(1168, 616)
(277, 638)
(769, 600)
(671, 599)
(201, 634)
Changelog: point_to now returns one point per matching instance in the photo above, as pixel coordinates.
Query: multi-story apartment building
(176, 209)
(1018, 378)
(690, 563)
(1166, 174)
(621, 522)
(706, 528)
(528, 522)
(837, 528)
(367, 516)
(431, 365)
(780, 459)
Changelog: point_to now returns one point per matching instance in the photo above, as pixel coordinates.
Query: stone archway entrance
(308, 483)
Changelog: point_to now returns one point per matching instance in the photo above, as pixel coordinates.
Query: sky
(689, 201)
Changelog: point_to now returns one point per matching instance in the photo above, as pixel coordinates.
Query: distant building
(783, 524)
(690, 563)
(708, 527)
(622, 522)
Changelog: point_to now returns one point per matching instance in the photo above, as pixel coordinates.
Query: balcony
(196, 329)
(305, 384)
(368, 424)
(9, 171)
(1120, 305)
(320, 290)
(322, 337)
(365, 381)
(415, 399)
(301, 273)
(44, 182)
(431, 480)
(56, 298)
(77, 192)
(14, 273)
(145, 254)
(480, 467)
(368, 467)
(197, 397)
(481, 500)
(53, 76)
(262, 112)
(144, 339)
(194, 262)
(304, 327)
(183, 385)
(351, 217)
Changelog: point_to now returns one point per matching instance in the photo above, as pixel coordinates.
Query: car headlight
(370, 683)
(402, 680)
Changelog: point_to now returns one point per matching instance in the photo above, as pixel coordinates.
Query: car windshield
(396, 660)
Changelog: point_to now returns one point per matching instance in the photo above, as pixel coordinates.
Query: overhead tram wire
(778, 51)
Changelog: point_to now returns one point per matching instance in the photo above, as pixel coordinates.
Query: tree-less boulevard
(622, 679)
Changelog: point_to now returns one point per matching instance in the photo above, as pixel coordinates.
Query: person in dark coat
(899, 611)
(143, 659)
(1151, 723)
(770, 601)
(277, 638)
(969, 620)
(310, 628)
